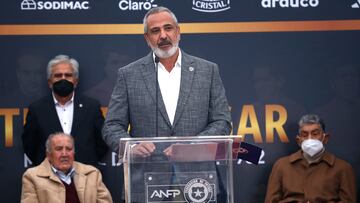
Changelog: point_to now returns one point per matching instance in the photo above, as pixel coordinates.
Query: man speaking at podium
(166, 93)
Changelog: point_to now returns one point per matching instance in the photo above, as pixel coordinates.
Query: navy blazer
(42, 120)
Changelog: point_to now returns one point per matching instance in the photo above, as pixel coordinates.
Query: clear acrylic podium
(198, 170)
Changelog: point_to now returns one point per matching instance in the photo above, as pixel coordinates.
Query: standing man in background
(64, 111)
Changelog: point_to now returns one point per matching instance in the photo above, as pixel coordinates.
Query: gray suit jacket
(202, 107)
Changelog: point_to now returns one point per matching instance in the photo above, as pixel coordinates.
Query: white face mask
(312, 146)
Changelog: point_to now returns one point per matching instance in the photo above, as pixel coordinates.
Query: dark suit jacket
(202, 107)
(42, 120)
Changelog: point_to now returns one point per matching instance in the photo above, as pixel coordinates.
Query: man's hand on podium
(143, 149)
(168, 151)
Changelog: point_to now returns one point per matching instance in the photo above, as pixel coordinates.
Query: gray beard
(165, 54)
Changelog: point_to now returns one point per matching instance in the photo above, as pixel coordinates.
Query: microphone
(157, 60)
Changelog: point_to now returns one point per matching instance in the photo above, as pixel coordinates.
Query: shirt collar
(60, 173)
(68, 102)
(327, 157)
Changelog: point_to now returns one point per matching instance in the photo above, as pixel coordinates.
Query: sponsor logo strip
(221, 27)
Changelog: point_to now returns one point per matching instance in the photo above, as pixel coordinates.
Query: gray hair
(51, 136)
(311, 119)
(157, 10)
(63, 59)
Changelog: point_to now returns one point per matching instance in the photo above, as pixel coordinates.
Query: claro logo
(54, 5)
(131, 5)
(289, 3)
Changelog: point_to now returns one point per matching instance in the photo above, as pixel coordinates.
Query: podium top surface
(183, 149)
(181, 138)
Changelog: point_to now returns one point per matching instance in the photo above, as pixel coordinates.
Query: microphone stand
(157, 60)
(157, 156)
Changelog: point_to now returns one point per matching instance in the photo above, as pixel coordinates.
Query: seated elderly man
(312, 174)
(60, 179)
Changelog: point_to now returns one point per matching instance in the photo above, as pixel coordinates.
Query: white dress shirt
(170, 86)
(65, 113)
(64, 177)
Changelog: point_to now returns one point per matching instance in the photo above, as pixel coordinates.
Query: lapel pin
(191, 68)
(80, 105)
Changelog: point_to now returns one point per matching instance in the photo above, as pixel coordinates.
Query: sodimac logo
(54, 5)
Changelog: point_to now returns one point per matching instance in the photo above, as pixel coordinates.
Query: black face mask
(63, 88)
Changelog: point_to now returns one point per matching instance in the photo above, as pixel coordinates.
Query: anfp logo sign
(198, 190)
(165, 193)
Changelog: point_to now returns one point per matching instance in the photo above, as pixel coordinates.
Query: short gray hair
(51, 136)
(311, 119)
(158, 10)
(63, 59)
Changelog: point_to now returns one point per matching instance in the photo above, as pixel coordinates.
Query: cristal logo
(210, 6)
(54, 5)
(136, 5)
(289, 3)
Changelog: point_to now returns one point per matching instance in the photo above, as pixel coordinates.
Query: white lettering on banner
(289, 3)
(136, 6)
(54, 5)
(211, 5)
(27, 161)
(261, 160)
(356, 4)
